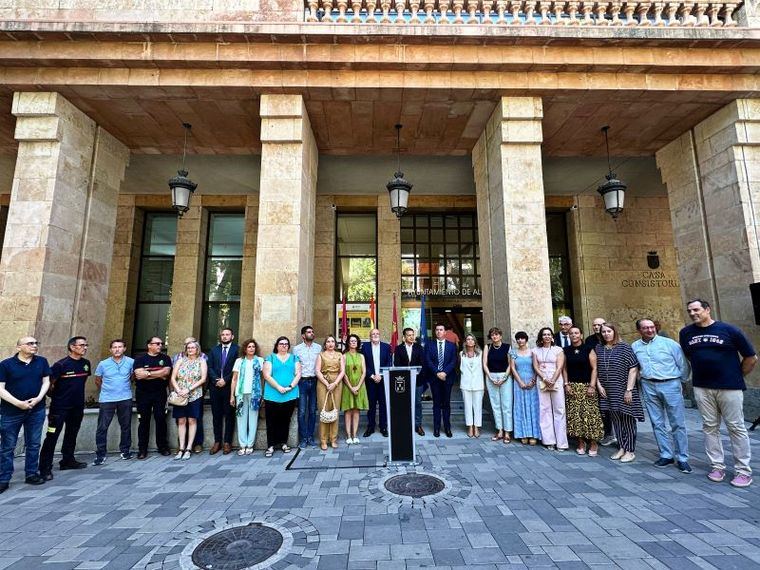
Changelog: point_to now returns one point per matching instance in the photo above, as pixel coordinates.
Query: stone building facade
(293, 106)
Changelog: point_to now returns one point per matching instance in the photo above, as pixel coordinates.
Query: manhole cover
(238, 547)
(415, 485)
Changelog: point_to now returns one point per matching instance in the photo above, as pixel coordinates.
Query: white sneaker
(349, 441)
(356, 440)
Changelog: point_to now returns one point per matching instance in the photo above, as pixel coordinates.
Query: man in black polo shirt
(66, 407)
(152, 371)
(24, 381)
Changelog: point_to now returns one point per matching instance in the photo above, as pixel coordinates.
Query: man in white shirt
(377, 355)
(307, 353)
(409, 353)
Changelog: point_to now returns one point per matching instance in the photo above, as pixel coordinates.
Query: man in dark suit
(409, 353)
(562, 337)
(377, 355)
(440, 363)
(221, 359)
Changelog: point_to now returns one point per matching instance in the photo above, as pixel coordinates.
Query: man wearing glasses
(24, 381)
(152, 371)
(66, 407)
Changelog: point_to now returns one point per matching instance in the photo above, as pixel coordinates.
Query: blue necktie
(440, 356)
(224, 357)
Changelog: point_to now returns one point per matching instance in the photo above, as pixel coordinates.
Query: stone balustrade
(522, 13)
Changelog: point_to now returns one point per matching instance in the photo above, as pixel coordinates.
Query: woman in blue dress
(526, 408)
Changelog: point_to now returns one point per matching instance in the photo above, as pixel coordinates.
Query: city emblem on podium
(400, 384)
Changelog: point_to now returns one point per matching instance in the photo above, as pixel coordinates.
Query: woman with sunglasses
(281, 372)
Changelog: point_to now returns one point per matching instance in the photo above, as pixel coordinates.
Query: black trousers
(278, 415)
(151, 404)
(223, 414)
(67, 420)
(441, 403)
(607, 421)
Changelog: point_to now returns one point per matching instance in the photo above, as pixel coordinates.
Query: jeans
(664, 399)
(307, 409)
(247, 423)
(58, 419)
(223, 415)
(726, 404)
(151, 404)
(10, 427)
(501, 400)
(123, 411)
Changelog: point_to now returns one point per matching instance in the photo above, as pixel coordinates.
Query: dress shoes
(197, 449)
(227, 448)
(34, 480)
(73, 465)
(448, 433)
(165, 452)
(436, 433)
(47, 476)
(384, 432)
(3, 487)
(142, 455)
(369, 432)
(216, 448)
(419, 430)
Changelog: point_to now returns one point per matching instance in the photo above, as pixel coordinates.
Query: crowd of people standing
(591, 390)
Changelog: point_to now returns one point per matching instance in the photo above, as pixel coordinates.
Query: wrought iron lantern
(399, 187)
(181, 186)
(612, 191)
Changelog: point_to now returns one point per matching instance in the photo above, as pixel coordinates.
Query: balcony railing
(522, 13)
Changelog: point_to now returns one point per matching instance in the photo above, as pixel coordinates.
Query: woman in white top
(246, 390)
(472, 385)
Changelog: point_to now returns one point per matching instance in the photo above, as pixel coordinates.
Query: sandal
(188, 453)
(269, 452)
(323, 446)
(477, 432)
(507, 439)
(285, 448)
(497, 437)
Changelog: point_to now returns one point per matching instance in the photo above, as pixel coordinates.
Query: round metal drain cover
(238, 547)
(415, 485)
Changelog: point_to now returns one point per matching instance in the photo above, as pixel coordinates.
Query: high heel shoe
(187, 455)
(179, 455)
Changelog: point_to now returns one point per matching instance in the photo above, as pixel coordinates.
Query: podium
(400, 387)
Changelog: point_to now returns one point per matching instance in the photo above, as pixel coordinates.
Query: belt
(658, 380)
(308, 377)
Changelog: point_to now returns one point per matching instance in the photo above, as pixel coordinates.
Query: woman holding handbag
(246, 390)
(187, 379)
(330, 368)
(548, 361)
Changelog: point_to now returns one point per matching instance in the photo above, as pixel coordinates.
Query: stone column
(512, 218)
(58, 244)
(188, 278)
(287, 196)
(248, 271)
(324, 274)
(388, 267)
(713, 178)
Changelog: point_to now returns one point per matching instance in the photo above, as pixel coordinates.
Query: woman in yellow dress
(354, 398)
(330, 368)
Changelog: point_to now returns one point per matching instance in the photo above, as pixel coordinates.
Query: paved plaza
(502, 506)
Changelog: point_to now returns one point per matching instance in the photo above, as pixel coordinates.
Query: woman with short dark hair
(526, 409)
(282, 372)
(615, 368)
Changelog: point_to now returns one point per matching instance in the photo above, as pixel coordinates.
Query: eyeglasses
(81, 345)
(32, 343)
(283, 344)
(158, 343)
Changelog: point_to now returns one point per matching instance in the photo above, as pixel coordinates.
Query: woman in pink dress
(548, 361)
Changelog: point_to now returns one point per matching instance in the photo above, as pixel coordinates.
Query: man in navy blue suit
(440, 363)
(221, 359)
(377, 355)
(409, 353)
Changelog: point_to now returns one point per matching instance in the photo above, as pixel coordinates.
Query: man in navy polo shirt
(152, 371)
(24, 381)
(721, 356)
(66, 407)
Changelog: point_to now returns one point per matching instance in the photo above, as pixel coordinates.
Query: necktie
(224, 357)
(440, 356)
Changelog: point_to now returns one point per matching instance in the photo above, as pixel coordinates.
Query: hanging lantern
(612, 191)
(399, 187)
(181, 186)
